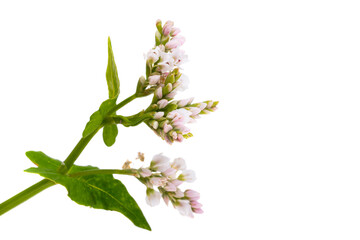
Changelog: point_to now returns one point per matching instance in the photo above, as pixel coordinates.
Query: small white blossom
(152, 197)
(187, 176)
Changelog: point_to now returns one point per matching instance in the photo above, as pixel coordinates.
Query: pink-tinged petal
(179, 164)
(152, 197)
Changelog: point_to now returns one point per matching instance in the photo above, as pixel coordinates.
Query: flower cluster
(167, 177)
(169, 117)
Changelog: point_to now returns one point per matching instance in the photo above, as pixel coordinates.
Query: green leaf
(112, 77)
(40, 159)
(95, 121)
(100, 191)
(110, 132)
(106, 106)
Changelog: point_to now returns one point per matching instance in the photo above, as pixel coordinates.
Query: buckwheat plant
(168, 118)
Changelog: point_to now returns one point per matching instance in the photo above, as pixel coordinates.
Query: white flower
(166, 62)
(160, 163)
(152, 197)
(187, 176)
(153, 55)
(178, 164)
(179, 56)
(184, 207)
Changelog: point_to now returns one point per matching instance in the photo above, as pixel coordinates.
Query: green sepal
(101, 191)
(110, 131)
(112, 77)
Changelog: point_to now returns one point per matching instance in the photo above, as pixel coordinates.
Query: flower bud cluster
(167, 176)
(164, 60)
(170, 119)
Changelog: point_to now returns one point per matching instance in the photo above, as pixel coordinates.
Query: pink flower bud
(167, 128)
(197, 210)
(158, 115)
(195, 204)
(162, 103)
(154, 79)
(171, 95)
(154, 124)
(202, 106)
(167, 27)
(184, 102)
(192, 195)
(194, 110)
(158, 92)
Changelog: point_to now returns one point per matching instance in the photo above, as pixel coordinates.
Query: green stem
(25, 195)
(131, 172)
(75, 153)
(123, 103)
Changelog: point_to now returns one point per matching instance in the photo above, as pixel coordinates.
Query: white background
(278, 160)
